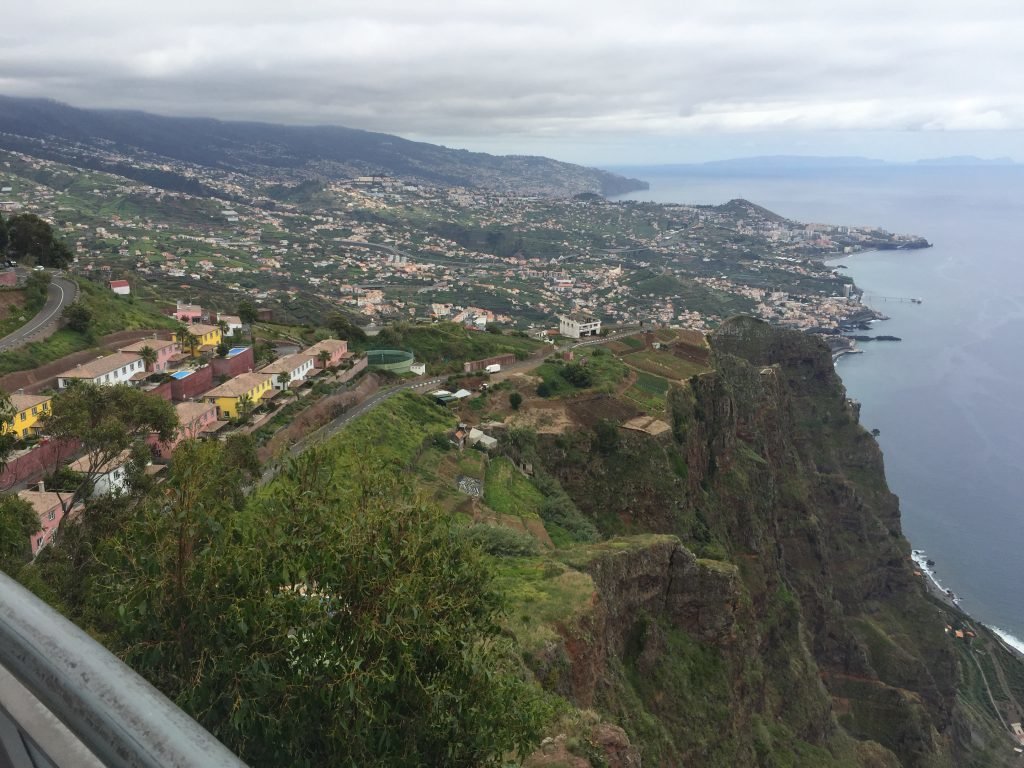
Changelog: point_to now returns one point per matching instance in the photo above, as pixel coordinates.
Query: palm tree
(148, 355)
(323, 356)
(189, 340)
(245, 406)
(222, 324)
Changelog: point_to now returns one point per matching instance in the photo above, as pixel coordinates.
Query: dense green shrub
(501, 541)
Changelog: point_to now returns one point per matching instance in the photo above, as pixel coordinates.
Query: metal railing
(67, 701)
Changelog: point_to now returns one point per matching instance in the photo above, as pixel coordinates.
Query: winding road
(60, 293)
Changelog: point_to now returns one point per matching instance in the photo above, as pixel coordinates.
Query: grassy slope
(14, 312)
(508, 492)
(607, 373)
(390, 436)
(111, 313)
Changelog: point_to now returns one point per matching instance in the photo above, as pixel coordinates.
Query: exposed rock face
(661, 578)
(639, 580)
(777, 613)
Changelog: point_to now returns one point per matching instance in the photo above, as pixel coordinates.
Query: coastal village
(390, 251)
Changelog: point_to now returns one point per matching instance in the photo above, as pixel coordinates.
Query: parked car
(38, 268)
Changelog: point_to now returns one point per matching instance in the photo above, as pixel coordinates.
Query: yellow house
(248, 387)
(207, 336)
(28, 410)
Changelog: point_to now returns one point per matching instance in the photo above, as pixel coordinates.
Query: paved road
(61, 293)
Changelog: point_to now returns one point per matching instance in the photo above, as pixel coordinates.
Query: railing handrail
(122, 719)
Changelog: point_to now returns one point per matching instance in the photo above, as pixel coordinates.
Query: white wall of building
(122, 375)
(574, 329)
(299, 373)
(114, 481)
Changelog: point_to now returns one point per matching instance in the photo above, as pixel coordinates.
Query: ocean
(949, 398)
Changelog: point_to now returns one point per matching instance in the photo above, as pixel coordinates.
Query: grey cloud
(531, 70)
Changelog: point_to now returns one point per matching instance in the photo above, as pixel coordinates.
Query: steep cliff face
(775, 618)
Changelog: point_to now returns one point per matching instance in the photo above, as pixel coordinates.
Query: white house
(577, 326)
(118, 368)
(121, 287)
(233, 322)
(289, 369)
(110, 478)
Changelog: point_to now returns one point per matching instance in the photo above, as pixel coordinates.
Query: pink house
(166, 351)
(188, 313)
(337, 350)
(48, 509)
(196, 420)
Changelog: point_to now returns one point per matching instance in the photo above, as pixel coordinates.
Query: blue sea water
(949, 398)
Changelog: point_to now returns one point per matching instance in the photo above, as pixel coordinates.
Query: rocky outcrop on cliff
(775, 618)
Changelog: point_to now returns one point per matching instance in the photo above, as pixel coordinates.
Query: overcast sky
(630, 81)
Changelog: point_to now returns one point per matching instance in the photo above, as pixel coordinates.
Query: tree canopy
(320, 623)
(18, 523)
(246, 311)
(32, 240)
(331, 617)
(7, 439)
(345, 328)
(78, 318)
(105, 421)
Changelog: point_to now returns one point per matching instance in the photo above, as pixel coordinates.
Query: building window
(39, 542)
(35, 410)
(52, 515)
(21, 416)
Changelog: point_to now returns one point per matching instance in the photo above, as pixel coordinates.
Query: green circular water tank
(394, 360)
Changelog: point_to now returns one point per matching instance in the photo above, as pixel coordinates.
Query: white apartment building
(578, 326)
(118, 368)
(288, 369)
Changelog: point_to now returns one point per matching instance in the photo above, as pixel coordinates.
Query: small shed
(485, 441)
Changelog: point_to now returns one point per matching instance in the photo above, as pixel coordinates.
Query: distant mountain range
(770, 163)
(55, 130)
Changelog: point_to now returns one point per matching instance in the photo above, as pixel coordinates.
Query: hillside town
(206, 370)
(388, 251)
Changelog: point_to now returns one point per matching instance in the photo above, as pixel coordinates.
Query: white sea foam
(921, 559)
(1014, 642)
